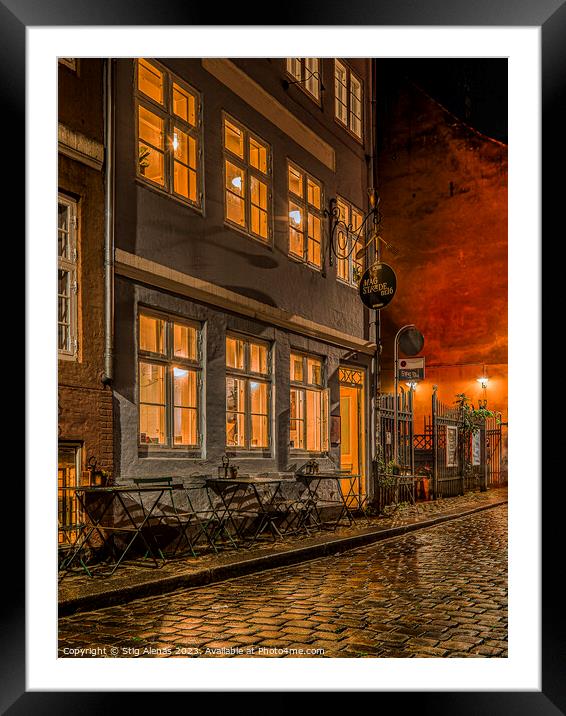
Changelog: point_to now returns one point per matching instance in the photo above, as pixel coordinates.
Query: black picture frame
(550, 16)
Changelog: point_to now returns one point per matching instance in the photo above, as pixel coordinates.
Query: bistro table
(241, 500)
(316, 501)
(98, 502)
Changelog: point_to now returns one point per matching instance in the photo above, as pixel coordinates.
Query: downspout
(108, 374)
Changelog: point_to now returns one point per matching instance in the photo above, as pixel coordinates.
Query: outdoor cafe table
(98, 502)
(316, 501)
(234, 494)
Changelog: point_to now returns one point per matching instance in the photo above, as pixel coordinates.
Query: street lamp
(396, 384)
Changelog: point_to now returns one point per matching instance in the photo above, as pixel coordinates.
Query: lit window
(305, 216)
(349, 265)
(248, 393)
(168, 132)
(67, 286)
(308, 429)
(348, 98)
(305, 71)
(247, 180)
(69, 513)
(169, 369)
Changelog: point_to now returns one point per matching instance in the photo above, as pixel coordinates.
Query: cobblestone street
(437, 592)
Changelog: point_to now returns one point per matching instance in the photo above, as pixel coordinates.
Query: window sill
(244, 453)
(169, 453)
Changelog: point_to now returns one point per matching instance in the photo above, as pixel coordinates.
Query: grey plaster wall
(134, 461)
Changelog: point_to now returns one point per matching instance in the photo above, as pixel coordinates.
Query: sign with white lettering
(476, 448)
(378, 285)
(411, 368)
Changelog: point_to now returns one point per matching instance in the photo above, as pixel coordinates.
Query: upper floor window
(168, 132)
(308, 429)
(248, 393)
(348, 98)
(305, 216)
(170, 366)
(349, 267)
(247, 180)
(306, 73)
(67, 291)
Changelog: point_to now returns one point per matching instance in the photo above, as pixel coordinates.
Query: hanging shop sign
(411, 368)
(378, 285)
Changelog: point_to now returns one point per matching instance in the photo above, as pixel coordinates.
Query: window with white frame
(169, 132)
(67, 282)
(248, 393)
(306, 73)
(349, 243)
(348, 98)
(247, 180)
(170, 380)
(305, 216)
(308, 428)
(69, 512)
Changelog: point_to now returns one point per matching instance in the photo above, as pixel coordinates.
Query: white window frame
(165, 112)
(250, 171)
(324, 396)
(306, 74)
(307, 209)
(350, 238)
(69, 264)
(247, 375)
(351, 117)
(169, 361)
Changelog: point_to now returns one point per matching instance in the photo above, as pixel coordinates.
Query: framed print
(210, 147)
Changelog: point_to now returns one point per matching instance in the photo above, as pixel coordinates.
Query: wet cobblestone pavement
(436, 592)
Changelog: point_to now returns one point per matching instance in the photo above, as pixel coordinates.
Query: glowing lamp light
(237, 182)
(295, 217)
(483, 382)
(179, 372)
(412, 385)
(175, 142)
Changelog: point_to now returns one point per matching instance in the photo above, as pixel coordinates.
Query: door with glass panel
(352, 432)
(69, 514)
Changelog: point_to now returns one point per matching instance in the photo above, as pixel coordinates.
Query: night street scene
(282, 358)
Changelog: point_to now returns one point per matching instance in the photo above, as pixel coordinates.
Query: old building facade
(236, 333)
(85, 402)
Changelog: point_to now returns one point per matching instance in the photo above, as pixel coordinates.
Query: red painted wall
(443, 189)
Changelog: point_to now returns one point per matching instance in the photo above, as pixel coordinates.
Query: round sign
(411, 342)
(378, 285)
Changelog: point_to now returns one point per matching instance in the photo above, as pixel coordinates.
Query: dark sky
(474, 89)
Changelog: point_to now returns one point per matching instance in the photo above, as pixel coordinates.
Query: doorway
(352, 433)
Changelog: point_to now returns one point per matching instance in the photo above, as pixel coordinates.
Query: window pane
(151, 164)
(184, 104)
(233, 138)
(295, 216)
(63, 231)
(192, 152)
(313, 194)
(184, 341)
(181, 179)
(235, 179)
(64, 337)
(185, 426)
(260, 435)
(294, 67)
(235, 430)
(342, 269)
(314, 371)
(184, 388)
(313, 419)
(340, 92)
(311, 82)
(258, 358)
(152, 334)
(295, 181)
(235, 353)
(150, 128)
(313, 255)
(296, 243)
(258, 192)
(258, 397)
(152, 383)
(235, 395)
(68, 512)
(296, 425)
(180, 146)
(150, 80)
(296, 368)
(152, 424)
(258, 155)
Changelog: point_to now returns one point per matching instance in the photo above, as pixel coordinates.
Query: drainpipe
(108, 374)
